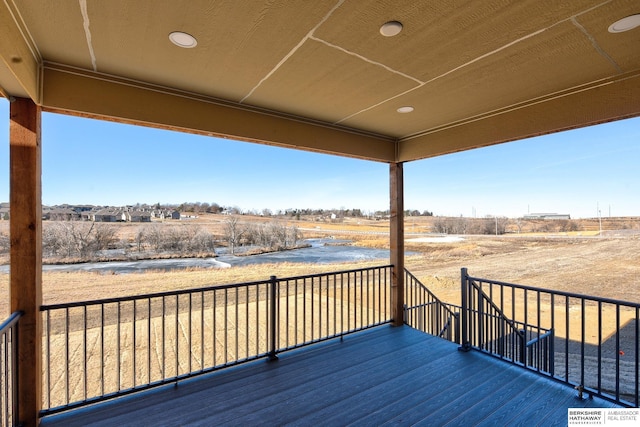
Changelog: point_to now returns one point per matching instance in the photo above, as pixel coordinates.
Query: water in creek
(321, 251)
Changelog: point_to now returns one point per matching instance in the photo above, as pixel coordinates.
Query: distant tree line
(82, 240)
(461, 225)
(500, 225)
(79, 240)
(215, 208)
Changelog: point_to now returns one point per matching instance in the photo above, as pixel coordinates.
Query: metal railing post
(523, 348)
(15, 363)
(464, 341)
(551, 353)
(273, 311)
(456, 323)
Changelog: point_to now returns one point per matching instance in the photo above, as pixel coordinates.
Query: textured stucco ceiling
(318, 75)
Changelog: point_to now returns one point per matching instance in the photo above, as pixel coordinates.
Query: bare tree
(233, 232)
(139, 238)
(80, 239)
(4, 243)
(154, 237)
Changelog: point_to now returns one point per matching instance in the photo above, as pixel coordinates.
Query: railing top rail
(10, 321)
(196, 290)
(557, 292)
(493, 305)
(540, 338)
(435, 298)
(151, 295)
(333, 273)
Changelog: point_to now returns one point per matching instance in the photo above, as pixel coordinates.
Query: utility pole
(599, 218)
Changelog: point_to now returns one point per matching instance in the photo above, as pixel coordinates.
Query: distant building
(547, 216)
(108, 215)
(138, 216)
(61, 214)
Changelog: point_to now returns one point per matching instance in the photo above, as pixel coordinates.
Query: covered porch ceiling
(319, 75)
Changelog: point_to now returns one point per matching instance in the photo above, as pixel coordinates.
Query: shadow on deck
(386, 375)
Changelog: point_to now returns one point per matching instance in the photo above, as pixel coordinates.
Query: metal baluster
(84, 351)
(599, 346)
(118, 346)
(246, 321)
(566, 339)
(177, 344)
(636, 350)
(617, 351)
(149, 340)
(66, 332)
(48, 365)
(214, 331)
(273, 313)
(226, 326)
(164, 334)
(202, 323)
(133, 350)
(190, 329)
(582, 339)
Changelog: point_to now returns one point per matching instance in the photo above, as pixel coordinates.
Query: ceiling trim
(617, 99)
(18, 56)
(83, 93)
(4, 93)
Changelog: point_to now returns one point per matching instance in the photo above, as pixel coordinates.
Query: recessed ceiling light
(625, 24)
(391, 28)
(181, 39)
(404, 110)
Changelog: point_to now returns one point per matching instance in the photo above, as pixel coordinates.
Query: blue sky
(93, 162)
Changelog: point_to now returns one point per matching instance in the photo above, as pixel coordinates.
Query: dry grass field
(593, 265)
(104, 348)
(606, 266)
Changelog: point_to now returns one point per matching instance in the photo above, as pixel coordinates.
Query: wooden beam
(26, 251)
(600, 102)
(396, 181)
(82, 93)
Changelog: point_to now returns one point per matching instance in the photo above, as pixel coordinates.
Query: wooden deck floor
(384, 376)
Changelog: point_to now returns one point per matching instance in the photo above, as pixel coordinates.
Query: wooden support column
(26, 251)
(396, 242)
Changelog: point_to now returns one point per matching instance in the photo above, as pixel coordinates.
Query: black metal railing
(9, 371)
(100, 349)
(425, 312)
(590, 343)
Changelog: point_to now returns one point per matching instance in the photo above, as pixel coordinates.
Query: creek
(321, 251)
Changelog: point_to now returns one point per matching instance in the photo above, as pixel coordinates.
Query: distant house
(165, 214)
(139, 216)
(62, 214)
(547, 216)
(108, 215)
(87, 215)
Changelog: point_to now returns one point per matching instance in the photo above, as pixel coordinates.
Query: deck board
(384, 376)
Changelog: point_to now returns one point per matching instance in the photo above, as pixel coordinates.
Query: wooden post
(396, 241)
(26, 251)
